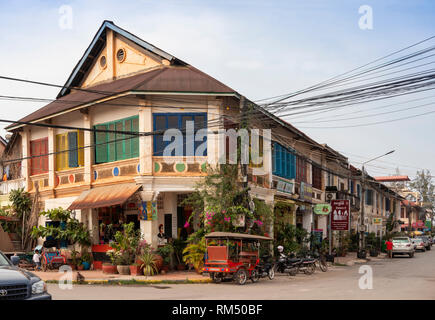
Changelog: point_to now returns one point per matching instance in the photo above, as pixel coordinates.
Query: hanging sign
(322, 208)
(340, 215)
(377, 221)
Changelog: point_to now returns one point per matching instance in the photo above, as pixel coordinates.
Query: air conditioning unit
(331, 196)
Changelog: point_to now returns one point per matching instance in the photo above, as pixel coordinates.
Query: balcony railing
(355, 201)
(7, 186)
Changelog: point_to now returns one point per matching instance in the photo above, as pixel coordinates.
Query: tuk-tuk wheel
(271, 273)
(241, 276)
(255, 276)
(216, 278)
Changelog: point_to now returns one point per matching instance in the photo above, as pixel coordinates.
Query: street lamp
(361, 251)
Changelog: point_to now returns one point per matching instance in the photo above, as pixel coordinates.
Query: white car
(403, 245)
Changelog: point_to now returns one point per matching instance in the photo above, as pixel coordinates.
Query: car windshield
(418, 239)
(3, 261)
(400, 240)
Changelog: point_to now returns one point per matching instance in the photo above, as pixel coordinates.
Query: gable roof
(95, 48)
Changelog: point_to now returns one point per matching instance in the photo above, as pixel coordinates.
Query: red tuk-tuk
(233, 256)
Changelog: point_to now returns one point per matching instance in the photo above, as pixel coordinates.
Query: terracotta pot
(181, 267)
(125, 270)
(109, 269)
(73, 267)
(159, 262)
(80, 267)
(165, 268)
(135, 271)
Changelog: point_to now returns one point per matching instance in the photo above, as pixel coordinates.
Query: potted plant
(135, 269)
(86, 260)
(194, 254)
(74, 259)
(125, 245)
(148, 263)
(110, 268)
(179, 246)
(166, 253)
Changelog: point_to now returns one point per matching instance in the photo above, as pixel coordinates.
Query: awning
(104, 196)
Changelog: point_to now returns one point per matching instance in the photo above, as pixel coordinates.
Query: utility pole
(361, 249)
(244, 125)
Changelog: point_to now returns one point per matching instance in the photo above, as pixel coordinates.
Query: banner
(322, 208)
(340, 215)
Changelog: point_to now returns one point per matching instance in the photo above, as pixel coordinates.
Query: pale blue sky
(259, 48)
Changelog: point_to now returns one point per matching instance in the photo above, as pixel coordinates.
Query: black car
(19, 284)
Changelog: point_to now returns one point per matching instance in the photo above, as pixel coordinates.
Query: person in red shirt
(389, 244)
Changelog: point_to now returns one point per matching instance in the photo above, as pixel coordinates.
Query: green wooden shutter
(135, 140)
(120, 154)
(101, 145)
(112, 145)
(73, 159)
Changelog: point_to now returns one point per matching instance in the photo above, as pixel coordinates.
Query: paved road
(400, 278)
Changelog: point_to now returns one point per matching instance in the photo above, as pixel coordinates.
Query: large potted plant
(148, 265)
(125, 245)
(166, 253)
(194, 254)
(179, 246)
(110, 268)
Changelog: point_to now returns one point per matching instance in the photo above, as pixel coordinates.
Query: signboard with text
(340, 215)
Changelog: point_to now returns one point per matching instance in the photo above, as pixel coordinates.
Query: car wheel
(428, 248)
(241, 276)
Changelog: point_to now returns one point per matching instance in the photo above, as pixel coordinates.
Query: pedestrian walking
(389, 244)
(37, 260)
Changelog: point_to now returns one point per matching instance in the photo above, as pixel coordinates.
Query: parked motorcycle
(266, 267)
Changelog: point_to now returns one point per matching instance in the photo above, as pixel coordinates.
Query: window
(122, 146)
(358, 190)
(301, 170)
(387, 204)
(164, 121)
(73, 157)
(317, 177)
(38, 163)
(369, 197)
(283, 162)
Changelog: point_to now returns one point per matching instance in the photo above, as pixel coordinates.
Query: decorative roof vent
(103, 62)
(120, 55)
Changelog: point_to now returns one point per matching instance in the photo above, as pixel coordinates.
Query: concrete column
(149, 228)
(93, 225)
(87, 152)
(307, 218)
(145, 142)
(213, 150)
(51, 157)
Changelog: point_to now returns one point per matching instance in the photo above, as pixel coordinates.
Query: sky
(259, 48)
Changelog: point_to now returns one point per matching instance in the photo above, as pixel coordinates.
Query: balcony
(7, 186)
(354, 200)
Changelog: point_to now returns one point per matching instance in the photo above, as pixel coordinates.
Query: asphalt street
(399, 278)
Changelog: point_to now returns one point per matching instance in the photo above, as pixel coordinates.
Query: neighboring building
(10, 169)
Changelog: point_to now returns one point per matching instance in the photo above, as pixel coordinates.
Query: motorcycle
(292, 265)
(266, 267)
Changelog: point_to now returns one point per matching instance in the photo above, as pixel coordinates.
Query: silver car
(403, 245)
(427, 242)
(419, 244)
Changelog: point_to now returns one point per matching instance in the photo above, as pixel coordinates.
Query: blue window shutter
(73, 159)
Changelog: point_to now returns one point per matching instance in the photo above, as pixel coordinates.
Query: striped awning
(104, 196)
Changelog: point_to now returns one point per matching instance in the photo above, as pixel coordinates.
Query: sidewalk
(97, 276)
(351, 259)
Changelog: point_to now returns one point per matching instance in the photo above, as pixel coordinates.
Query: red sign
(340, 215)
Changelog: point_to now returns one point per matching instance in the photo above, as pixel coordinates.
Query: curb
(132, 282)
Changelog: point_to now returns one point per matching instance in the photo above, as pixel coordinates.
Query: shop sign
(427, 224)
(305, 191)
(318, 235)
(418, 224)
(340, 215)
(286, 187)
(322, 208)
(148, 210)
(377, 220)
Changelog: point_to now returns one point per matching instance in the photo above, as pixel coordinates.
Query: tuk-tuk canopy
(231, 235)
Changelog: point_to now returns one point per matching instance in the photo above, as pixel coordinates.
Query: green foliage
(126, 244)
(69, 229)
(166, 253)
(194, 254)
(148, 263)
(423, 184)
(21, 201)
(293, 239)
(179, 245)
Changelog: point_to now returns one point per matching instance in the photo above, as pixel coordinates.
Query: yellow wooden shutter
(80, 144)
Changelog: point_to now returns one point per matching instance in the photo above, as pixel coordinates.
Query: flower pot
(165, 268)
(181, 267)
(374, 253)
(125, 270)
(86, 265)
(80, 267)
(73, 266)
(158, 261)
(109, 269)
(135, 270)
